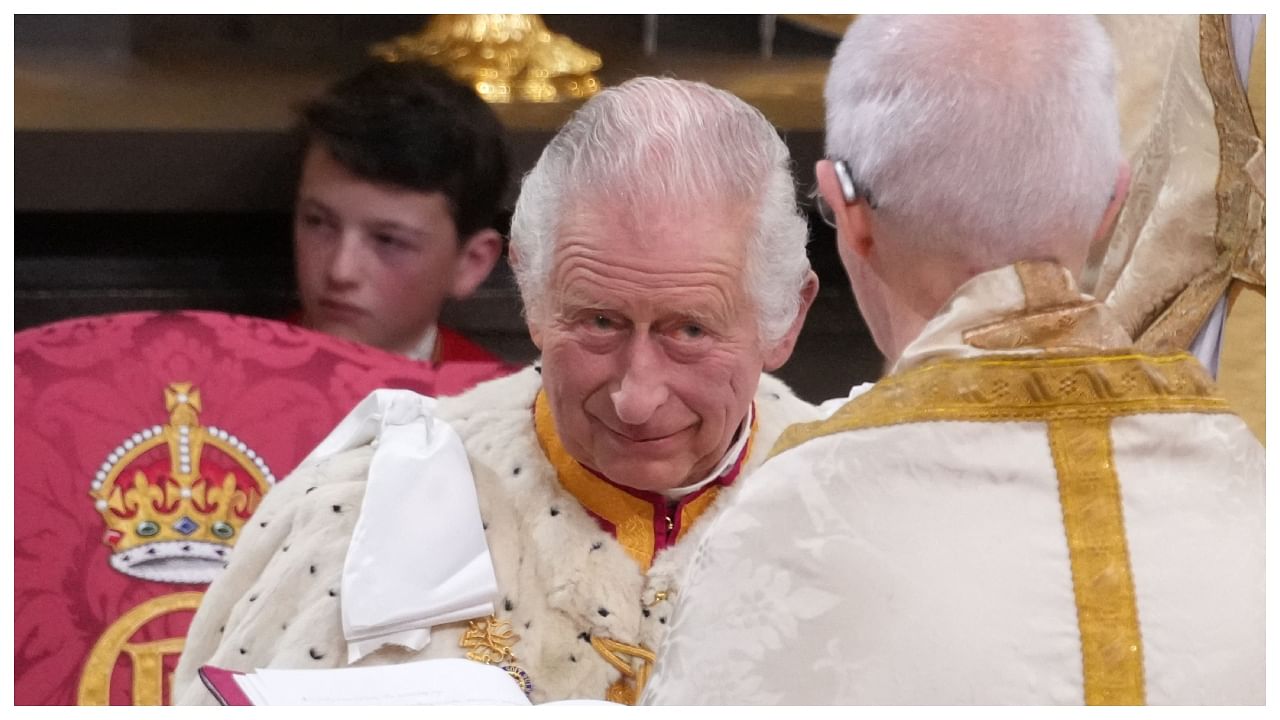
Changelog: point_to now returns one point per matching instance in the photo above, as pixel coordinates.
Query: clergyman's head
(967, 143)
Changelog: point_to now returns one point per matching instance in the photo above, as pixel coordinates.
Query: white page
(445, 681)
(252, 688)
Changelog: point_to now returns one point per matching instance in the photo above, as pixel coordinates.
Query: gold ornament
(489, 641)
(506, 58)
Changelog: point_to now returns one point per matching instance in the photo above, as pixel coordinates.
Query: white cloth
(418, 555)
(828, 407)
(927, 563)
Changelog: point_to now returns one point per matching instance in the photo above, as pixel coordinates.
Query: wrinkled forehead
(648, 255)
(675, 231)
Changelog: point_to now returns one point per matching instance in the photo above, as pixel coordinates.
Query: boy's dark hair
(411, 124)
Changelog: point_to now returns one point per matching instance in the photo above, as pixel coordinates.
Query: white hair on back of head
(678, 147)
(989, 139)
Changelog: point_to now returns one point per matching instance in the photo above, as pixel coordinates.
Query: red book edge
(222, 683)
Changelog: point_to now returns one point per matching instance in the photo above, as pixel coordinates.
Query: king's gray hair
(664, 144)
(985, 138)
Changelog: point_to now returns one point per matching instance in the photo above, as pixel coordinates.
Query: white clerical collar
(730, 457)
(425, 348)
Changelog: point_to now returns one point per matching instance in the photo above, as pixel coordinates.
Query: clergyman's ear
(853, 219)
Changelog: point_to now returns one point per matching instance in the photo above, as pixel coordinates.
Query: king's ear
(777, 356)
(531, 317)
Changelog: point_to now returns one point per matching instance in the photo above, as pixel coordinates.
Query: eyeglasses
(824, 210)
(850, 190)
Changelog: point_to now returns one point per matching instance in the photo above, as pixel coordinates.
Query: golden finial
(506, 58)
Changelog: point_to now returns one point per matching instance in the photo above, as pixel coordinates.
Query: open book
(444, 681)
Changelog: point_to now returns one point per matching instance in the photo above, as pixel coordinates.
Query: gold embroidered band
(1240, 232)
(996, 388)
(1093, 516)
(631, 516)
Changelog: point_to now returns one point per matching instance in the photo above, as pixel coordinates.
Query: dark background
(154, 160)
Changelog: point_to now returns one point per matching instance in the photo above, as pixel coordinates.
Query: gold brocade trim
(1241, 218)
(146, 658)
(1045, 285)
(1093, 517)
(631, 517)
(1003, 388)
(1256, 93)
(635, 662)
(1055, 316)
(690, 513)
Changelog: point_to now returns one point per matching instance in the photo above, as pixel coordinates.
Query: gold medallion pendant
(489, 641)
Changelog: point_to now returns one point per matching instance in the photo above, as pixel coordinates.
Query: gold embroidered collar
(644, 523)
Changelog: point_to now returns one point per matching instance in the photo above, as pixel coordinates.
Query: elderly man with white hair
(1025, 510)
(661, 258)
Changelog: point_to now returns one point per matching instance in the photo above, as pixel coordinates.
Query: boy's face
(374, 261)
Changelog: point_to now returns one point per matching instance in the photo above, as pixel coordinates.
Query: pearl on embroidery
(182, 398)
(185, 492)
(101, 504)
